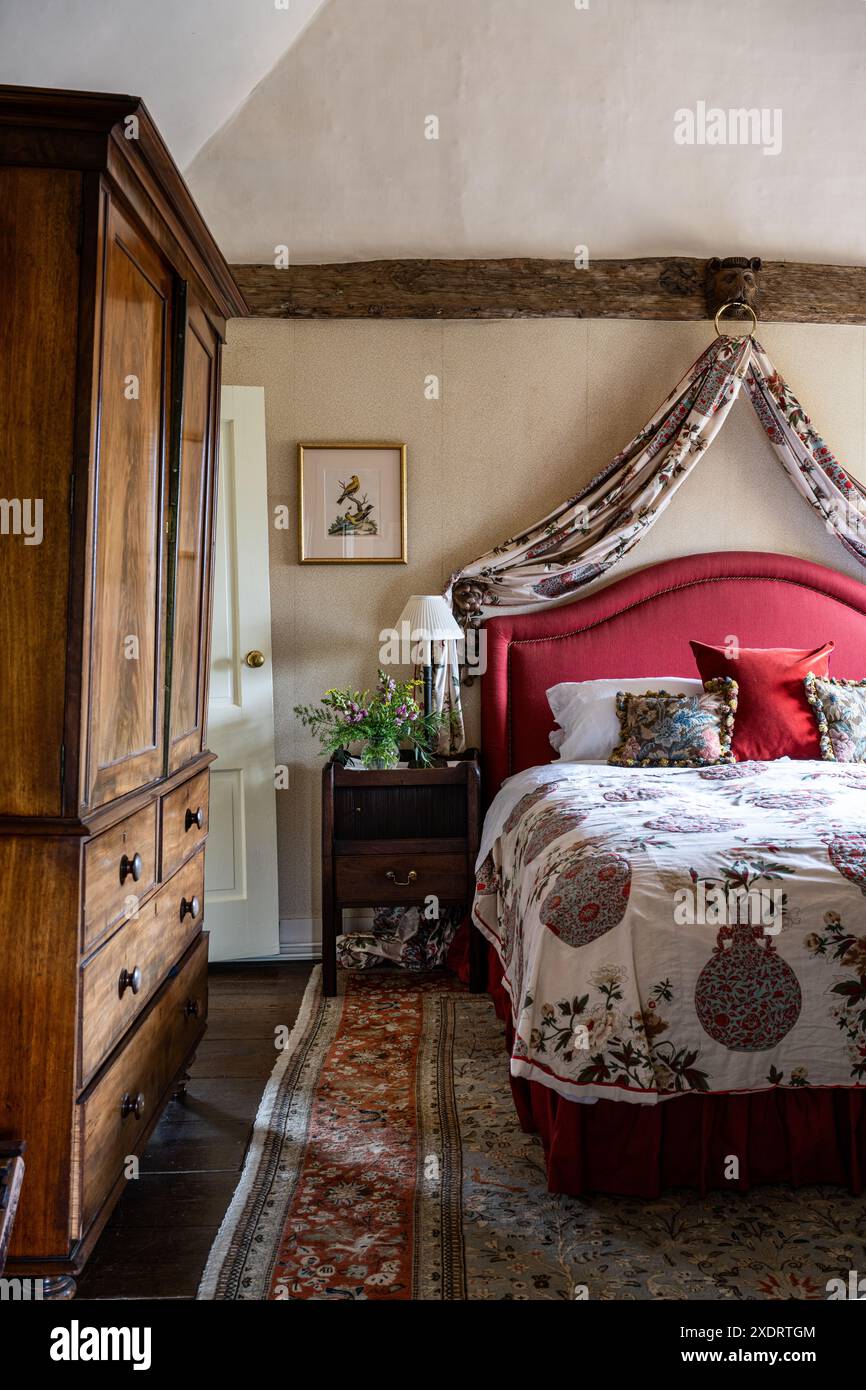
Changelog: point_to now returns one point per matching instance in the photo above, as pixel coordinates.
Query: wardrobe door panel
(39, 282)
(192, 526)
(125, 730)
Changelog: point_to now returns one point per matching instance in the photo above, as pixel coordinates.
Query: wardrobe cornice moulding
(112, 135)
(659, 287)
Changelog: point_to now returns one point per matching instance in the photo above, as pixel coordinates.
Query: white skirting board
(301, 937)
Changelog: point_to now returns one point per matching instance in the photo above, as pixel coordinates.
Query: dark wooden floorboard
(254, 1011)
(148, 1262)
(178, 1199)
(236, 1058)
(160, 1234)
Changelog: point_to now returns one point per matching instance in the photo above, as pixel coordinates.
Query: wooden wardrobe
(113, 298)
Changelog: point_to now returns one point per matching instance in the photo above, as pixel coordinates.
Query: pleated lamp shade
(429, 619)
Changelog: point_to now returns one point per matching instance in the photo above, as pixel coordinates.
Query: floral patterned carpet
(387, 1163)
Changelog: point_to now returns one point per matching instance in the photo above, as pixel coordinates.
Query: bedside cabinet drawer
(114, 1118)
(118, 865)
(117, 983)
(374, 879)
(184, 822)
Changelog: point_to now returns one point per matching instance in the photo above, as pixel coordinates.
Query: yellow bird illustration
(362, 510)
(349, 488)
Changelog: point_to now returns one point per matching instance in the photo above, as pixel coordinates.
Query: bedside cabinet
(397, 838)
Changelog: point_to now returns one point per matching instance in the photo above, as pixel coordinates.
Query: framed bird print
(352, 504)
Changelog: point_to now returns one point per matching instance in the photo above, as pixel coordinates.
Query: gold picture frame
(367, 533)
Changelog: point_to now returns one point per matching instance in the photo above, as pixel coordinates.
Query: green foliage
(381, 721)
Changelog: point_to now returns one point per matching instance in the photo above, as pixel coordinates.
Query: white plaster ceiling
(305, 127)
(193, 61)
(556, 130)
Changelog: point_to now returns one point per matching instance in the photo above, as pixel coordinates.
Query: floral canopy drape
(590, 533)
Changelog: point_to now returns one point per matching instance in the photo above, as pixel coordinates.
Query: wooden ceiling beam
(650, 288)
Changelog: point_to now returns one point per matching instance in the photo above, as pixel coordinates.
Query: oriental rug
(387, 1163)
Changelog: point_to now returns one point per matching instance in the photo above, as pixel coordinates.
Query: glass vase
(380, 757)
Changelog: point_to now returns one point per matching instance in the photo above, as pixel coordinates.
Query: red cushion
(774, 719)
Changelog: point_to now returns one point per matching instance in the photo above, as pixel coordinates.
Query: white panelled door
(241, 861)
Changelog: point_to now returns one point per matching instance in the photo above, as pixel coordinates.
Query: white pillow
(586, 713)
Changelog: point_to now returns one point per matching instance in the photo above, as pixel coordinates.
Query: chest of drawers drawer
(113, 1118)
(119, 868)
(119, 980)
(184, 822)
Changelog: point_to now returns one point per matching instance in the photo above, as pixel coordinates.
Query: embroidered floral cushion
(586, 713)
(840, 711)
(658, 729)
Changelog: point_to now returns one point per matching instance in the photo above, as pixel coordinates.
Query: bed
(647, 1049)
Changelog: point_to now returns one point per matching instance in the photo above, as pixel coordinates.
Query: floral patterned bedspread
(636, 967)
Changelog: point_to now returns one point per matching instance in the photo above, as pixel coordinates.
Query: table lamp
(427, 618)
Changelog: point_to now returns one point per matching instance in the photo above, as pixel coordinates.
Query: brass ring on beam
(735, 304)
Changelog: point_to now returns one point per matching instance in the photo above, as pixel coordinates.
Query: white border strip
(263, 1126)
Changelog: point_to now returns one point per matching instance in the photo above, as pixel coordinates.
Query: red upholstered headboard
(641, 626)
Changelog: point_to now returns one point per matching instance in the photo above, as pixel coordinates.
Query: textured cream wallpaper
(528, 411)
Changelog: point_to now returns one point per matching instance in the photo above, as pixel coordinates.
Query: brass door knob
(255, 659)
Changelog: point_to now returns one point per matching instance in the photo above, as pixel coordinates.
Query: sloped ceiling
(193, 61)
(305, 126)
(555, 130)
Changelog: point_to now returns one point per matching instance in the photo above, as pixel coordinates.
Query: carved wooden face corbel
(733, 280)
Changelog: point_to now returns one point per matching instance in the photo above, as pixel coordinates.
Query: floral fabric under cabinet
(401, 936)
(637, 967)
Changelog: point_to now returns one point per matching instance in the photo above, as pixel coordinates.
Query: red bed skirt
(797, 1137)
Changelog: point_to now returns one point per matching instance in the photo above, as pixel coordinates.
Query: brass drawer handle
(193, 818)
(130, 979)
(191, 906)
(132, 1105)
(191, 1008)
(401, 882)
(130, 866)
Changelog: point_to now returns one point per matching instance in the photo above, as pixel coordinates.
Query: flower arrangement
(381, 721)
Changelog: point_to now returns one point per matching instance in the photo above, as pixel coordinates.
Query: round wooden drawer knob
(194, 818)
(191, 1008)
(191, 906)
(130, 866)
(132, 1105)
(130, 979)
